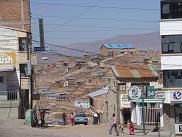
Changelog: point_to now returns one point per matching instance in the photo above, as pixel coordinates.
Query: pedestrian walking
(131, 128)
(42, 118)
(64, 118)
(35, 119)
(72, 119)
(114, 124)
(95, 119)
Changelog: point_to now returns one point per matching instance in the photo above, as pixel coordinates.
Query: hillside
(143, 41)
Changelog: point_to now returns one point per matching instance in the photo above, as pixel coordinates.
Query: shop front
(176, 101)
(125, 108)
(149, 110)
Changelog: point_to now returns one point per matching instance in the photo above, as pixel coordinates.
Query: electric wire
(75, 17)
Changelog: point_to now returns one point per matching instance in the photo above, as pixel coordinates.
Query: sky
(74, 21)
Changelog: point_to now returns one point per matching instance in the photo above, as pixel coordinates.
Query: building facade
(124, 77)
(171, 64)
(111, 50)
(15, 48)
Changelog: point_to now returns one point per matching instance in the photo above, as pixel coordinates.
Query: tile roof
(119, 46)
(134, 71)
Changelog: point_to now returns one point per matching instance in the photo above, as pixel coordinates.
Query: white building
(171, 62)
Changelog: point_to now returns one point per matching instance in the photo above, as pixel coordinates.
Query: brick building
(15, 14)
(111, 50)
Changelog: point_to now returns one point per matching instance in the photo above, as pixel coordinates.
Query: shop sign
(176, 95)
(134, 92)
(8, 39)
(7, 58)
(150, 92)
(82, 104)
(125, 103)
(160, 94)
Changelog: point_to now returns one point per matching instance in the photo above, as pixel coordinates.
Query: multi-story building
(171, 62)
(15, 48)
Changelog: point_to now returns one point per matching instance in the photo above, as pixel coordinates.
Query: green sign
(150, 91)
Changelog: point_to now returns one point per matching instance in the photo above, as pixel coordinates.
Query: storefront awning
(6, 68)
(148, 100)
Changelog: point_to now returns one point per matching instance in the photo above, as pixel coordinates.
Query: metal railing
(9, 95)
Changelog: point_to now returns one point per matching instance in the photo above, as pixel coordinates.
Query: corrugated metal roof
(135, 71)
(119, 46)
(99, 92)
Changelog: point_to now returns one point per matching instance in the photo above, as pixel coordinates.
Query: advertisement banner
(7, 58)
(176, 96)
(125, 103)
(8, 40)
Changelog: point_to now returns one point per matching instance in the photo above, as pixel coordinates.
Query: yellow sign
(7, 58)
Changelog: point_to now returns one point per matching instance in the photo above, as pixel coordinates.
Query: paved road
(16, 128)
(10, 126)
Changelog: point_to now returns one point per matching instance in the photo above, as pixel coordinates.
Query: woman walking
(114, 124)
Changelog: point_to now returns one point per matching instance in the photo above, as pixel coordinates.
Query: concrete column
(121, 116)
(161, 115)
(172, 119)
(133, 113)
(138, 114)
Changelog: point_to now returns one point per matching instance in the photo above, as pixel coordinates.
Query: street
(16, 128)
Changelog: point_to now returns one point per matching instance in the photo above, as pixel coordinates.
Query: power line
(55, 45)
(98, 19)
(93, 6)
(80, 14)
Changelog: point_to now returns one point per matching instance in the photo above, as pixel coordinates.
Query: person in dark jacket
(64, 118)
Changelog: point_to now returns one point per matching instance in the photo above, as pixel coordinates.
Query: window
(1, 79)
(172, 78)
(165, 8)
(23, 70)
(23, 44)
(171, 9)
(178, 114)
(172, 44)
(177, 47)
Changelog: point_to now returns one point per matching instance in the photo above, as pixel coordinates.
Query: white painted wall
(171, 62)
(155, 84)
(171, 27)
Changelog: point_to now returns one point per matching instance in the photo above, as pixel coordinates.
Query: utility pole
(118, 101)
(143, 112)
(41, 31)
(29, 65)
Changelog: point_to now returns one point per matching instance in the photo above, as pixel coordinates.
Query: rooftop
(99, 92)
(119, 46)
(135, 71)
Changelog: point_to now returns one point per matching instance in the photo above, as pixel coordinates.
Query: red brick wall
(11, 16)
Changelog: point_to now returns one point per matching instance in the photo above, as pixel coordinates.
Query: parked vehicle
(81, 119)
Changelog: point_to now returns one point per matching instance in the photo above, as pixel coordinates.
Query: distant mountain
(141, 41)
